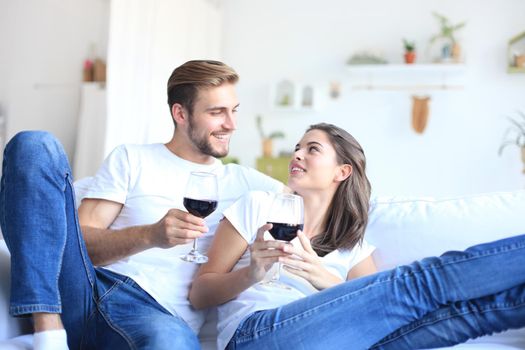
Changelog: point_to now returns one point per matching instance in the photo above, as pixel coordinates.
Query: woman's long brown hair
(347, 216)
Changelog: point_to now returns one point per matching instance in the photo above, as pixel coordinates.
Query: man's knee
(27, 148)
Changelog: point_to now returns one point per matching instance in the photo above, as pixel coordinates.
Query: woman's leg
(360, 313)
(461, 321)
(50, 271)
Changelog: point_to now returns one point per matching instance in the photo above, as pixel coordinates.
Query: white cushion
(9, 326)
(23, 342)
(408, 229)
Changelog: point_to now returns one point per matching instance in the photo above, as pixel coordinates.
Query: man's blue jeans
(435, 302)
(50, 268)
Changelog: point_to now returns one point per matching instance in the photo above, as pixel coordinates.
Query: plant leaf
(520, 127)
(276, 135)
(459, 26)
(503, 146)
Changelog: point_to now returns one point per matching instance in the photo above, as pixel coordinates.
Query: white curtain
(147, 40)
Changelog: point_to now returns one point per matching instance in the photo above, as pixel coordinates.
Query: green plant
(515, 134)
(447, 29)
(410, 46)
(272, 135)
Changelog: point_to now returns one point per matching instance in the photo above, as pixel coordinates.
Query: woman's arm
(365, 267)
(215, 282)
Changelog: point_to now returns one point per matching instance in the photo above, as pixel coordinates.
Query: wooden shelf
(406, 68)
(399, 77)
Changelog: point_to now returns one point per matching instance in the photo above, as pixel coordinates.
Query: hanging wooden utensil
(420, 113)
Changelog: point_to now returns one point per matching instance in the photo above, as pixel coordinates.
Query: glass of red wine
(287, 217)
(200, 200)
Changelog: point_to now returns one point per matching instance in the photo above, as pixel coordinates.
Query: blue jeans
(51, 270)
(438, 301)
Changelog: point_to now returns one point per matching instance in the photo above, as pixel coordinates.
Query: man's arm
(106, 246)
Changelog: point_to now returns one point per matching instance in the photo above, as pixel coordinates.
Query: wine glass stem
(277, 275)
(195, 245)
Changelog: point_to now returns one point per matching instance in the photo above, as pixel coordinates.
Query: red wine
(284, 232)
(199, 207)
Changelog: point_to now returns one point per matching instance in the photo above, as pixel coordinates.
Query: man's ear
(343, 172)
(179, 114)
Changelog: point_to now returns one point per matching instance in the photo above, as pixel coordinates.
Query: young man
(132, 224)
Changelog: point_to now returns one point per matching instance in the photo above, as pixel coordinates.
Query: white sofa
(402, 229)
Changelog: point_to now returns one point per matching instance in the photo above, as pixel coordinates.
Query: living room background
(43, 44)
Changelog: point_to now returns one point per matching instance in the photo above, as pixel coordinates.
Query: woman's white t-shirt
(247, 215)
(149, 180)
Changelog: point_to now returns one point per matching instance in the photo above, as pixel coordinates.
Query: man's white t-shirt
(149, 180)
(247, 215)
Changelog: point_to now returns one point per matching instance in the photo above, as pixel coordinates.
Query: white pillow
(407, 229)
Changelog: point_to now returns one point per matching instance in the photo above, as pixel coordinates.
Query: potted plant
(410, 51)
(515, 135)
(267, 140)
(450, 48)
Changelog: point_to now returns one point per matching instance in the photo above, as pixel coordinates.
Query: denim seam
(123, 334)
(86, 325)
(107, 317)
(79, 233)
(57, 277)
(29, 309)
(449, 315)
(110, 290)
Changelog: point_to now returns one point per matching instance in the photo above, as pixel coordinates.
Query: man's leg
(133, 313)
(50, 270)
(359, 313)
(52, 276)
(461, 321)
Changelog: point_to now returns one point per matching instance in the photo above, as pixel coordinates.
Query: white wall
(3, 63)
(44, 44)
(307, 40)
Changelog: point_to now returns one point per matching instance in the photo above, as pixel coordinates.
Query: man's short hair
(186, 80)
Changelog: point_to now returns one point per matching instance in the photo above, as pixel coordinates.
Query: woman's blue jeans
(50, 268)
(435, 302)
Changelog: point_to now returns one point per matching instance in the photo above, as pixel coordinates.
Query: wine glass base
(274, 283)
(194, 257)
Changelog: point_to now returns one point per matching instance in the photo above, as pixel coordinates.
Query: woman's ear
(178, 113)
(343, 172)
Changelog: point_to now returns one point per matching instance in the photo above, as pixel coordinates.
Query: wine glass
(200, 200)
(287, 217)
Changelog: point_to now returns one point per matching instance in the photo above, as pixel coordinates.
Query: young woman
(392, 309)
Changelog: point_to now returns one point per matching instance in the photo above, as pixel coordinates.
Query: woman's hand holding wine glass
(308, 265)
(286, 217)
(264, 254)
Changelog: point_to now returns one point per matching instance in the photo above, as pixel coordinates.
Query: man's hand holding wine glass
(176, 227)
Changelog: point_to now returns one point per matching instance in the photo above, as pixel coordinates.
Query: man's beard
(202, 142)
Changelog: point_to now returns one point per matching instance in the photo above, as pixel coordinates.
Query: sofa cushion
(408, 229)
